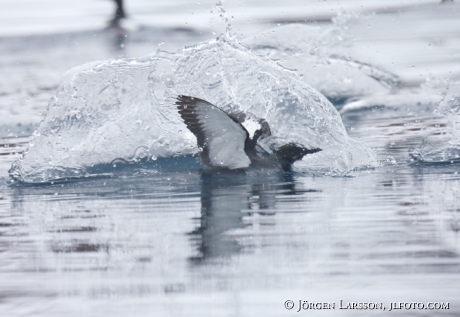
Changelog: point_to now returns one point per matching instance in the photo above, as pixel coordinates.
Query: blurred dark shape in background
(119, 14)
(116, 23)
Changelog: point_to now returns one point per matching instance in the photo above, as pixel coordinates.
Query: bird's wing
(221, 138)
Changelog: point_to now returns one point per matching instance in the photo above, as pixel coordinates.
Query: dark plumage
(226, 144)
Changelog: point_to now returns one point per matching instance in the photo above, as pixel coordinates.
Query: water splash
(123, 111)
(443, 148)
(319, 56)
(223, 16)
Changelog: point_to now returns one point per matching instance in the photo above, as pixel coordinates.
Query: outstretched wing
(221, 138)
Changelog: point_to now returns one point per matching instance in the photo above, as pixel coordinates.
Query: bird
(225, 143)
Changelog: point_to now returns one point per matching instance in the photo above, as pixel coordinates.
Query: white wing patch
(251, 126)
(225, 138)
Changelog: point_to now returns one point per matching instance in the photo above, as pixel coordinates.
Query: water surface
(163, 239)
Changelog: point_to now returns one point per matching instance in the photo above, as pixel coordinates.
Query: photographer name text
(301, 305)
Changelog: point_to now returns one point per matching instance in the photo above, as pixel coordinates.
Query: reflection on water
(226, 200)
(167, 241)
(161, 237)
(378, 236)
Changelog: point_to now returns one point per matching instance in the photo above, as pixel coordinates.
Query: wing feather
(221, 138)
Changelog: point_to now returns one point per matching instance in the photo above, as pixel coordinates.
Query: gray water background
(183, 244)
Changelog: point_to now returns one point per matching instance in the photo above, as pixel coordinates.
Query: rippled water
(162, 239)
(190, 244)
